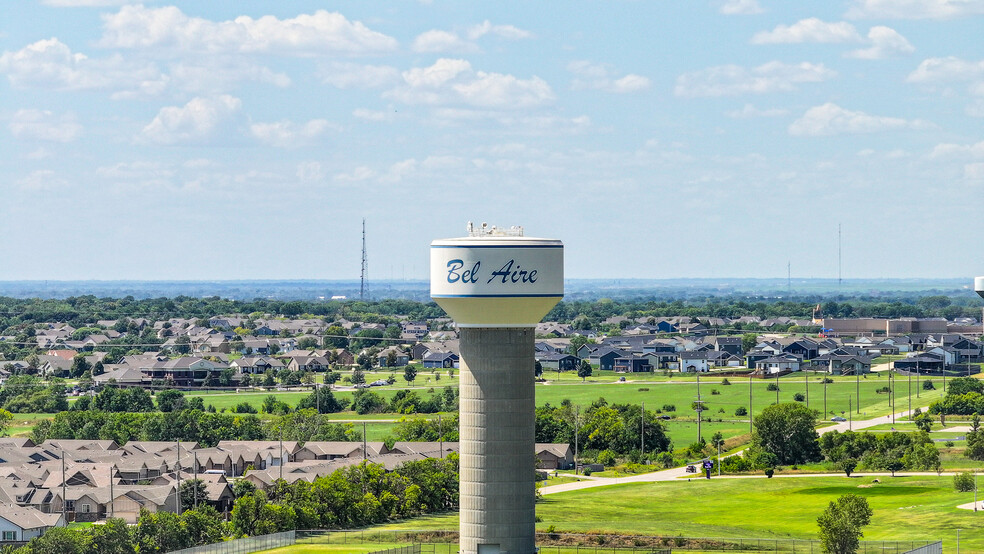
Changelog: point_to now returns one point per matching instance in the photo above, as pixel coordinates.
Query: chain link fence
(244, 546)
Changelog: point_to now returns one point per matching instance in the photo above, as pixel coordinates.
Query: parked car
(838, 418)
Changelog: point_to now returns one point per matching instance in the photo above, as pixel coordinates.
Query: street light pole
(749, 402)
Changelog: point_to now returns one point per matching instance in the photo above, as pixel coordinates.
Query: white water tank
(497, 280)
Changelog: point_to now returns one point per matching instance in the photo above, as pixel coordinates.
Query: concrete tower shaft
(497, 439)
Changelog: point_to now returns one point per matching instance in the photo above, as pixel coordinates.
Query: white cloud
(938, 70)
(442, 41)
(198, 121)
(287, 133)
(216, 75)
(749, 111)
(360, 173)
(601, 77)
(974, 171)
(453, 81)
(915, 9)
(502, 31)
(437, 40)
(84, 3)
(885, 43)
(310, 171)
(44, 125)
(41, 180)
(770, 77)
(168, 28)
(831, 119)
(371, 115)
(50, 63)
(350, 75)
(950, 150)
(741, 7)
(808, 30)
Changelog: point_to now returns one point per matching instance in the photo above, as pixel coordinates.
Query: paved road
(676, 473)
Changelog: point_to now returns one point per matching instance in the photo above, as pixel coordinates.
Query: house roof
(28, 518)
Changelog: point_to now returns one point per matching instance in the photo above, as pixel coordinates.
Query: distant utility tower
(365, 263)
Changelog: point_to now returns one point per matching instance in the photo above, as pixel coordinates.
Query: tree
(787, 431)
(5, 418)
(391, 359)
(79, 365)
(170, 400)
(923, 422)
(537, 369)
(112, 538)
(60, 540)
(748, 341)
(331, 377)
(963, 482)
(409, 373)
(577, 341)
(847, 465)
(584, 370)
(358, 377)
(189, 488)
(322, 400)
(841, 523)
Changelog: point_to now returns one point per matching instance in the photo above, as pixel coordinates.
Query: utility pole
(777, 387)
(857, 387)
(365, 446)
(850, 415)
(112, 499)
(749, 403)
(806, 379)
(642, 433)
(577, 425)
(825, 396)
(196, 480)
(282, 453)
(891, 394)
(64, 491)
(177, 473)
(909, 373)
(700, 406)
(440, 434)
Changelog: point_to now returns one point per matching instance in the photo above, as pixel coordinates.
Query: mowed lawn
(905, 508)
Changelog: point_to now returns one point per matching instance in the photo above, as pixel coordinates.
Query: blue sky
(230, 140)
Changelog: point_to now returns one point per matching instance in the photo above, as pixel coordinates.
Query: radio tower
(365, 263)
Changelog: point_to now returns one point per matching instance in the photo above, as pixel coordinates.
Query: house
(693, 362)
(21, 524)
(554, 456)
(558, 362)
(604, 358)
(440, 360)
(256, 364)
(633, 364)
(308, 363)
(731, 345)
(186, 371)
(806, 349)
(844, 364)
(779, 363)
(399, 357)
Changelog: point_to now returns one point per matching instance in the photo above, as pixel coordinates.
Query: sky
(721, 138)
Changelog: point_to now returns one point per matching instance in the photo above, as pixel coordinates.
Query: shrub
(586, 472)
(741, 411)
(735, 464)
(884, 390)
(798, 397)
(928, 385)
(664, 459)
(826, 380)
(669, 407)
(772, 387)
(715, 392)
(963, 482)
(606, 458)
(644, 389)
(725, 381)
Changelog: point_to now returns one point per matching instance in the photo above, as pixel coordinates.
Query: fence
(446, 542)
(244, 546)
(934, 548)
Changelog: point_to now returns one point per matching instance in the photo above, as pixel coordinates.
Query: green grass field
(905, 508)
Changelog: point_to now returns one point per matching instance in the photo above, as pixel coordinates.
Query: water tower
(497, 285)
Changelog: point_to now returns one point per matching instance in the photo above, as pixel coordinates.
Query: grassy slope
(905, 508)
